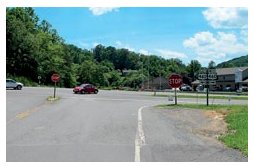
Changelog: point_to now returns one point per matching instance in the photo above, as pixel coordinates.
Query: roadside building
(232, 78)
(161, 83)
(228, 79)
(158, 83)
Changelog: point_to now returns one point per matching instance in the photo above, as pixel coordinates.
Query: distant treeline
(35, 49)
(236, 62)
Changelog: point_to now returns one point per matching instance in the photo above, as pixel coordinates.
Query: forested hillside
(236, 62)
(35, 49)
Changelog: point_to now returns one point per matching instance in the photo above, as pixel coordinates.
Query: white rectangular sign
(212, 75)
(210, 82)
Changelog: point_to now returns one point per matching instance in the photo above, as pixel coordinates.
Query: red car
(85, 88)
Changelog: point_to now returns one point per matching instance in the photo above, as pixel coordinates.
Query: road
(108, 126)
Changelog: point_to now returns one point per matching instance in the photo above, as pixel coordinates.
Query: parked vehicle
(85, 88)
(228, 89)
(186, 87)
(13, 84)
(244, 88)
(201, 88)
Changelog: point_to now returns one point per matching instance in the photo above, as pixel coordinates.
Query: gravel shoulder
(185, 135)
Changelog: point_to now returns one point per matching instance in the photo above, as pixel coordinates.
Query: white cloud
(227, 17)
(83, 44)
(119, 44)
(167, 54)
(208, 46)
(144, 52)
(97, 11)
(200, 39)
(95, 44)
(244, 35)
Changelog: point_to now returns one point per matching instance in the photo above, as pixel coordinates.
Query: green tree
(21, 26)
(193, 68)
(134, 79)
(175, 66)
(211, 65)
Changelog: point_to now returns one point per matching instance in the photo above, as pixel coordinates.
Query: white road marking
(140, 137)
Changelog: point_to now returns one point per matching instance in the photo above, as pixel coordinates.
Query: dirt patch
(210, 124)
(216, 125)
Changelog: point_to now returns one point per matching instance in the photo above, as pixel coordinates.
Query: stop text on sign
(55, 77)
(175, 80)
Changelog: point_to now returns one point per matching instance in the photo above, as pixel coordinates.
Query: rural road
(109, 126)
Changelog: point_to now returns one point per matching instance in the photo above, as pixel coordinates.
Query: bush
(23, 80)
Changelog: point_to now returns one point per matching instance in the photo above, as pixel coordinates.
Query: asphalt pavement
(108, 126)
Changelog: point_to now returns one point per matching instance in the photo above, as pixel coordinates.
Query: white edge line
(140, 137)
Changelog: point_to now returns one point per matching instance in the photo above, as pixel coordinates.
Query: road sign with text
(209, 74)
(175, 80)
(55, 77)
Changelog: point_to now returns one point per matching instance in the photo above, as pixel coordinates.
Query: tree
(98, 52)
(114, 78)
(193, 67)
(34, 48)
(86, 71)
(175, 66)
(133, 79)
(211, 65)
(21, 26)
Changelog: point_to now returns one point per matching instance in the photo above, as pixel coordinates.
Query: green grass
(237, 136)
(51, 98)
(203, 97)
(236, 118)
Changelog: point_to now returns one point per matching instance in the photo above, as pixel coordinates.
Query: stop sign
(175, 80)
(55, 77)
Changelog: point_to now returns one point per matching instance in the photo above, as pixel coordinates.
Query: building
(158, 83)
(161, 83)
(229, 79)
(232, 78)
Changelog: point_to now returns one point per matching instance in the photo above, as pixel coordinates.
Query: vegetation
(52, 98)
(236, 62)
(35, 50)
(236, 118)
(237, 136)
(192, 95)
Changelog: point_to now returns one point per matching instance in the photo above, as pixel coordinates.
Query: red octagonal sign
(175, 80)
(55, 77)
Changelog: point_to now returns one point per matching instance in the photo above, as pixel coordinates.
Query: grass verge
(236, 118)
(210, 96)
(51, 98)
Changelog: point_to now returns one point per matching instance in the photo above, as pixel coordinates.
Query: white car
(13, 84)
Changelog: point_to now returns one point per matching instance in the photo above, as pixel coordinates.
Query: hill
(236, 62)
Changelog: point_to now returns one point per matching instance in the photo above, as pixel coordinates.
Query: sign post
(55, 78)
(175, 81)
(208, 77)
(39, 78)
(207, 88)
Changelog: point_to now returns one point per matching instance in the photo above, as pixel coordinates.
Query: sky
(187, 33)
